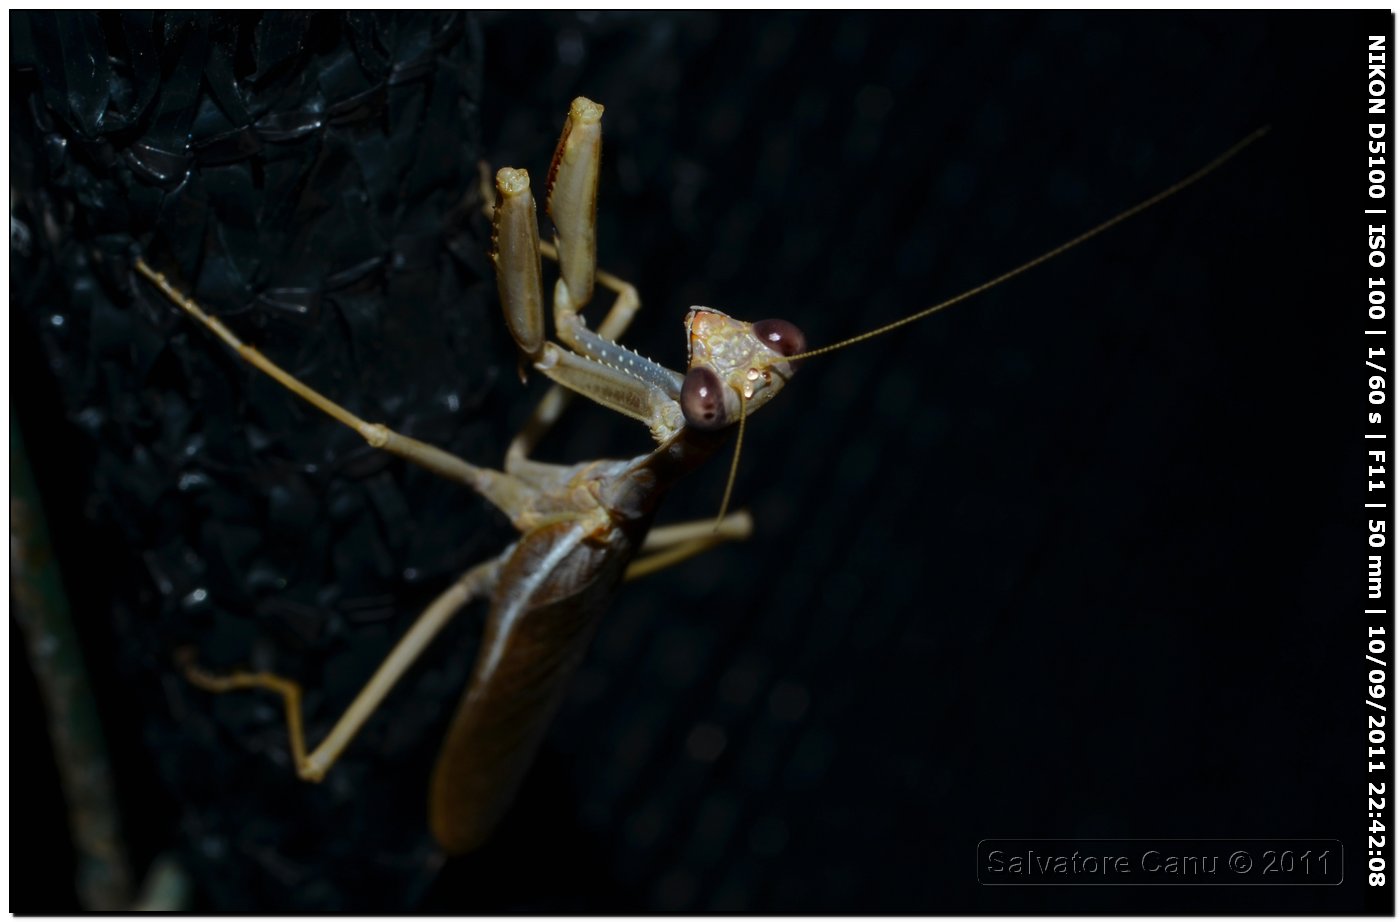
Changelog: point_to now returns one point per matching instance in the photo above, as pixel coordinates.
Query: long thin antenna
(1044, 257)
(733, 465)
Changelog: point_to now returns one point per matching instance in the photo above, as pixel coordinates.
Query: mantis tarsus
(584, 527)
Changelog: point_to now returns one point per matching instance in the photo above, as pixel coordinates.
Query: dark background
(1080, 558)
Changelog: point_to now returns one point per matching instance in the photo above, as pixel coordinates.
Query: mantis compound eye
(702, 400)
(780, 336)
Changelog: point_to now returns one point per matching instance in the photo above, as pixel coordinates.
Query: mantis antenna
(1045, 257)
(734, 464)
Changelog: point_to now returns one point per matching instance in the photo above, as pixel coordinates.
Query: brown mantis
(584, 527)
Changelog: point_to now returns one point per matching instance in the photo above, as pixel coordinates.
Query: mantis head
(733, 367)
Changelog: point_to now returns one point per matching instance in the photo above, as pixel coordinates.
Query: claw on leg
(515, 249)
(597, 366)
(572, 202)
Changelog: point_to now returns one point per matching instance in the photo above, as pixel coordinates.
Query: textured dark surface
(325, 207)
(1070, 560)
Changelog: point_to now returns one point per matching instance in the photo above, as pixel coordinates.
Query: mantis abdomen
(535, 638)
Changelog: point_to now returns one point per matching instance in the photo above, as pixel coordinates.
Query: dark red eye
(780, 336)
(702, 401)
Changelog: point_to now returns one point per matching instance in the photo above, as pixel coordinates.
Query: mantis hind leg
(668, 545)
(313, 765)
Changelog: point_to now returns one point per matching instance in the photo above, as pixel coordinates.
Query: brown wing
(551, 593)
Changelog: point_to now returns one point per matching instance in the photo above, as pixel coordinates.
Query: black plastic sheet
(313, 179)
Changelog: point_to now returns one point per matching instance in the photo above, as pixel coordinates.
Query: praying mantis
(584, 527)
